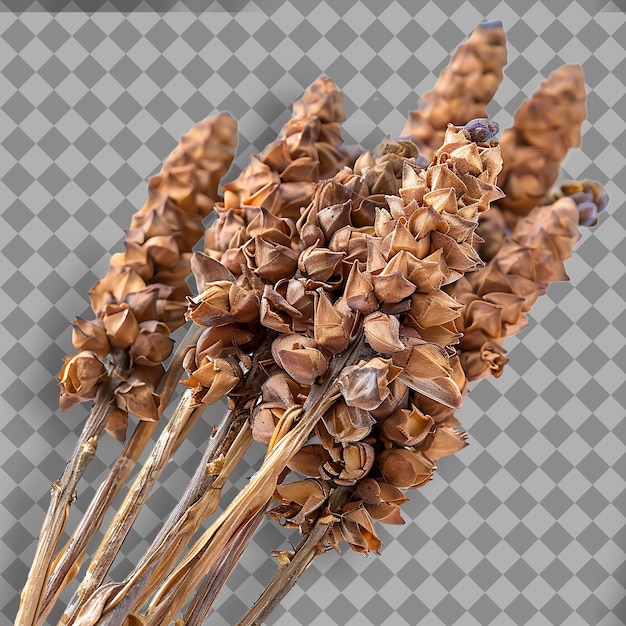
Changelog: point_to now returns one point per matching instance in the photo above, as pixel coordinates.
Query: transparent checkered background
(526, 525)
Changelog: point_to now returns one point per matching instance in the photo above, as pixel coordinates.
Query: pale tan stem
(311, 546)
(188, 523)
(226, 447)
(63, 494)
(130, 507)
(292, 565)
(170, 598)
(217, 576)
(67, 563)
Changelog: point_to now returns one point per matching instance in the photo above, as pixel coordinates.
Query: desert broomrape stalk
(342, 306)
(137, 305)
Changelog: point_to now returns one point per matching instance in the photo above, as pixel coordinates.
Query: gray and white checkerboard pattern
(523, 527)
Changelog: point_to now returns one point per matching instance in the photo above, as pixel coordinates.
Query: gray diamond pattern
(523, 527)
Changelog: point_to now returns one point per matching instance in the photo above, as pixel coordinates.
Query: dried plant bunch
(343, 306)
(463, 90)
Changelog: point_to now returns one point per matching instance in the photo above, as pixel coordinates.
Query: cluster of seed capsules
(372, 255)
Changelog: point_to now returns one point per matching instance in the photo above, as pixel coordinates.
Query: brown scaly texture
(141, 300)
(497, 298)
(545, 127)
(281, 179)
(463, 90)
(372, 251)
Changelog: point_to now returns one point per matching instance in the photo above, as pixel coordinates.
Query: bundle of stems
(341, 306)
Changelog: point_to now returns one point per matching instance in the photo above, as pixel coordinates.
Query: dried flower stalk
(463, 89)
(497, 299)
(544, 128)
(137, 299)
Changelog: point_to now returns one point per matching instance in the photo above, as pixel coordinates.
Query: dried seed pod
(79, 376)
(405, 468)
(300, 357)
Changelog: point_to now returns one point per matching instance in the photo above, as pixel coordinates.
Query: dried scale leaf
(544, 128)
(463, 89)
(497, 299)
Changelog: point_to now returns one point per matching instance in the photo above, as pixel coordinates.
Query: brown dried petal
(359, 291)
(214, 378)
(382, 332)
(299, 357)
(443, 442)
(207, 270)
(120, 325)
(434, 308)
(80, 373)
(308, 495)
(407, 427)
(114, 287)
(137, 398)
(385, 513)
(220, 341)
(333, 323)
(308, 460)
(320, 264)
(90, 336)
(276, 313)
(358, 531)
(271, 261)
(346, 423)
(153, 343)
(402, 239)
(365, 386)
(427, 370)
(332, 218)
(429, 273)
(442, 177)
(404, 468)
(263, 420)
(223, 302)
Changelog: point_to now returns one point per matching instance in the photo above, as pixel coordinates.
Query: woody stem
(63, 494)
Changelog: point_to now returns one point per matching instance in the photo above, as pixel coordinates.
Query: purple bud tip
(492, 24)
(481, 129)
